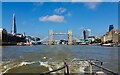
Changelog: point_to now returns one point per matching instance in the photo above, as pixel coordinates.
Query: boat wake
(43, 66)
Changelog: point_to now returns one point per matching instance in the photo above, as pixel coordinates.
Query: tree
(109, 41)
(97, 40)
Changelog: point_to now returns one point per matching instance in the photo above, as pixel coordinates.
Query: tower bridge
(69, 34)
(52, 35)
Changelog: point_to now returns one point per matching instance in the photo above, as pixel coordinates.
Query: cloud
(53, 18)
(37, 5)
(91, 5)
(60, 10)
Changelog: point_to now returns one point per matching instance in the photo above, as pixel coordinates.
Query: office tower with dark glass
(111, 27)
(86, 33)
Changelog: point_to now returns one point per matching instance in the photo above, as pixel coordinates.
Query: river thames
(13, 56)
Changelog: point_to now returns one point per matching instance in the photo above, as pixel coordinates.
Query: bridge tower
(51, 37)
(69, 37)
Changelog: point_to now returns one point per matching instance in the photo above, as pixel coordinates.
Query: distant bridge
(69, 34)
(50, 39)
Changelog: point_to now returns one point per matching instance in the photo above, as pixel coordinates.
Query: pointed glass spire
(14, 30)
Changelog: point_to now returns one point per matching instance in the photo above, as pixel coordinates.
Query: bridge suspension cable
(44, 38)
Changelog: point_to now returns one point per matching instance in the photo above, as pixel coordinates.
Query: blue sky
(0, 14)
(37, 18)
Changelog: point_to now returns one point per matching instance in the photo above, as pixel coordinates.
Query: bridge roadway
(60, 33)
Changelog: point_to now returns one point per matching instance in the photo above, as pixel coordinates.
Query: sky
(0, 14)
(37, 18)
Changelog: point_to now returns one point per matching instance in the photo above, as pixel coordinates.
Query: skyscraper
(14, 30)
(86, 33)
(111, 27)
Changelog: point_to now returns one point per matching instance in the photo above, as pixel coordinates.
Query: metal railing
(101, 67)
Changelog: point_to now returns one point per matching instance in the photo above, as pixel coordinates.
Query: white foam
(82, 69)
(50, 69)
(26, 63)
(7, 68)
(44, 64)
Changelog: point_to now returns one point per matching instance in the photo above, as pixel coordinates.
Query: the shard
(14, 30)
